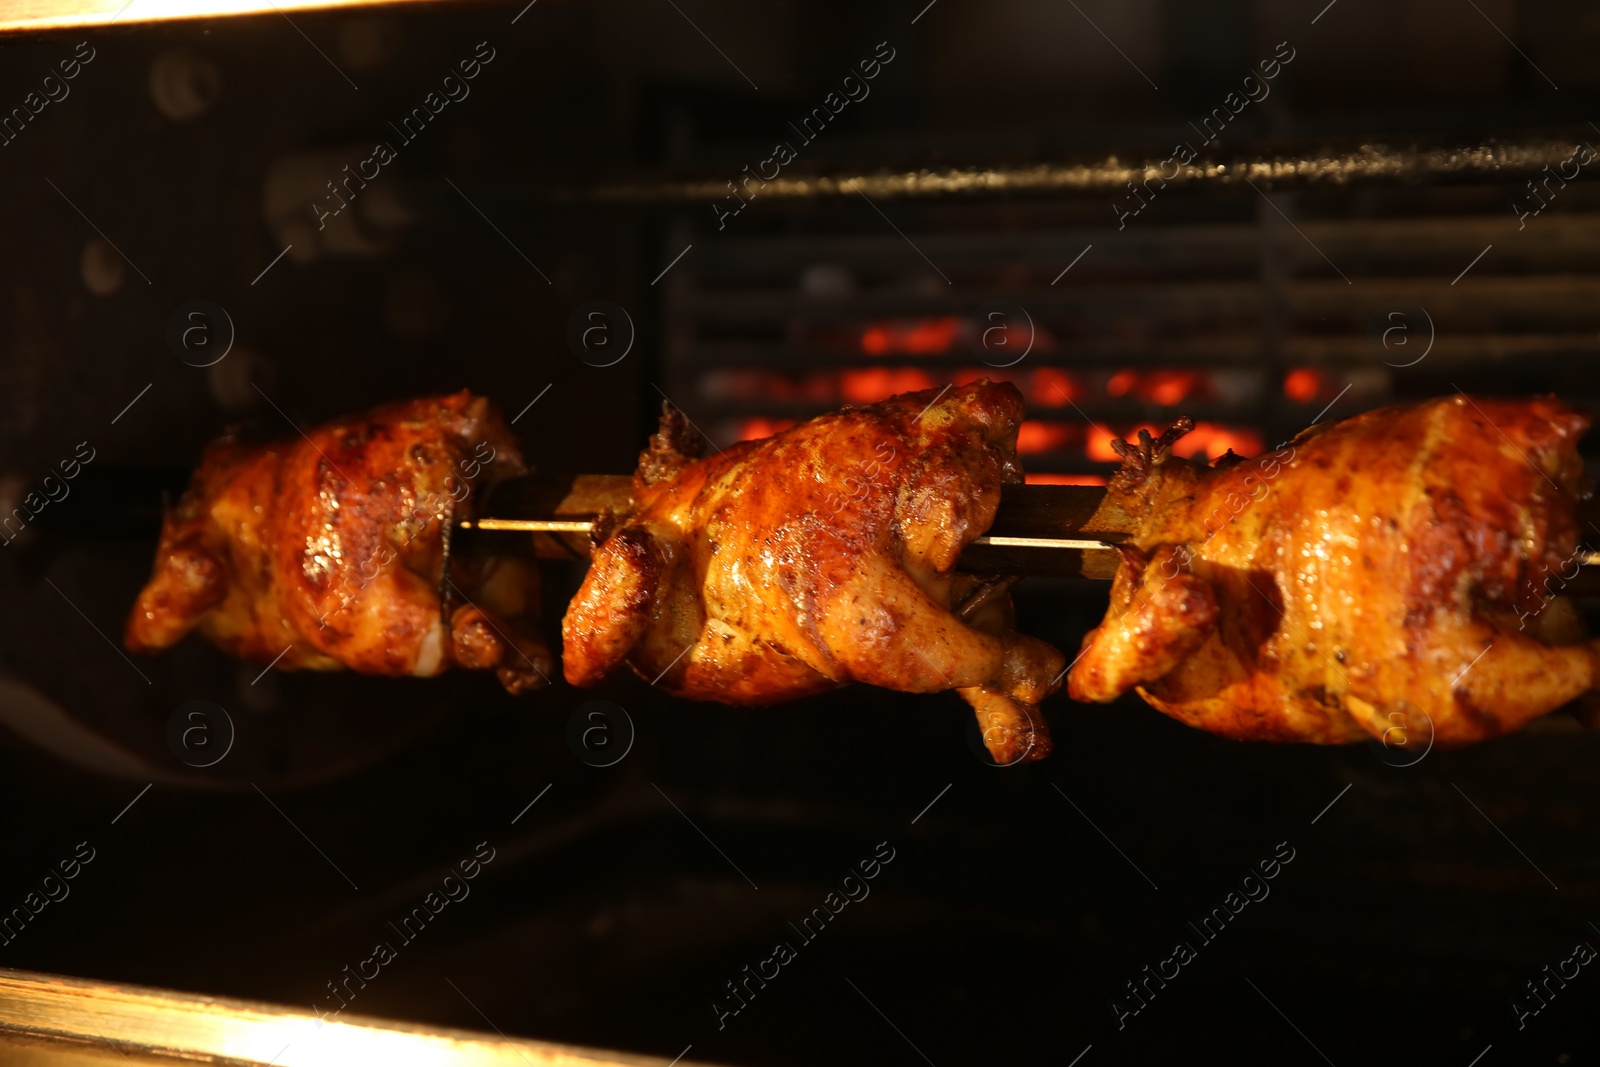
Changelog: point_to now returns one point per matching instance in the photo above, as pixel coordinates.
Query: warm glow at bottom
(52, 1011)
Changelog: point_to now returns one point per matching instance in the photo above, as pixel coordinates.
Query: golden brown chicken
(326, 550)
(787, 566)
(1387, 575)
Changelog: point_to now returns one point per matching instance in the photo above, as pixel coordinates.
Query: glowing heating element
(47, 1019)
(21, 16)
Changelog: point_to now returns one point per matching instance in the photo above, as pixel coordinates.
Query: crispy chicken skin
(824, 555)
(1391, 570)
(325, 550)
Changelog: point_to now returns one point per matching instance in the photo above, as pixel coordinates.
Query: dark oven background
(589, 160)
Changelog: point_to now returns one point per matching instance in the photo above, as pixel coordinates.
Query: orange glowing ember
(920, 338)
(756, 429)
(872, 384)
(1302, 384)
(1035, 437)
(1209, 440)
(1213, 441)
(1122, 383)
(936, 335)
(875, 340)
(1169, 388)
(1100, 439)
(1049, 387)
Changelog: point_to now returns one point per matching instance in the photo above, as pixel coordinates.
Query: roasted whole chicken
(824, 555)
(1391, 572)
(327, 550)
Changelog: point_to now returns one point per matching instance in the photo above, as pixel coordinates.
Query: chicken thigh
(824, 555)
(1396, 570)
(327, 550)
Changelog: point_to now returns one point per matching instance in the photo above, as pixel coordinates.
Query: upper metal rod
(1267, 165)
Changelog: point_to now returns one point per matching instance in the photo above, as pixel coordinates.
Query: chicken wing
(824, 555)
(327, 550)
(1394, 570)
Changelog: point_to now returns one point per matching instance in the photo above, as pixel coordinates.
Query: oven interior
(586, 163)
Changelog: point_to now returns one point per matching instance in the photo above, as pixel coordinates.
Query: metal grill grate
(1349, 296)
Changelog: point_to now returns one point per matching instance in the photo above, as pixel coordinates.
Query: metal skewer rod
(528, 525)
(586, 525)
(1059, 530)
(1039, 529)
